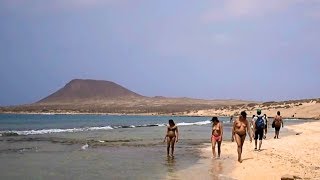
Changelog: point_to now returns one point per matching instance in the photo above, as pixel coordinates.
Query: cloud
(314, 11)
(55, 5)
(241, 9)
(315, 14)
(221, 38)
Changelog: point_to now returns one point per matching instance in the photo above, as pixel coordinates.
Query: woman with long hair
(171, 136)
(216, 136)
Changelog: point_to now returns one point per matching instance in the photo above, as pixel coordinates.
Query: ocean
(99, 146)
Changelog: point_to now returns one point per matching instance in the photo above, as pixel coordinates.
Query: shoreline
(105, 114)
(136, 114)
(295, 154)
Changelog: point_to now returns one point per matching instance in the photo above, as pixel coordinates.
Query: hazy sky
(213, 49)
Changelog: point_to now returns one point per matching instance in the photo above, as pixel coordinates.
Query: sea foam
(49, 131)
(72, 130)
(195, 123)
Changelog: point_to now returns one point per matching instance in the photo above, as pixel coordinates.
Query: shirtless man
(171, 136)
(216, 136)
(277, 124)
(239, 132)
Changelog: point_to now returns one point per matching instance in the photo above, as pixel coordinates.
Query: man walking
(258, 128)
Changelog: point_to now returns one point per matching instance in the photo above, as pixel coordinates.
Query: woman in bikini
(216, 135)
(171, 136)
(239, 132)
(277, 124)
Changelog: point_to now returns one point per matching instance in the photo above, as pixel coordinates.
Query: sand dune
(298, 109)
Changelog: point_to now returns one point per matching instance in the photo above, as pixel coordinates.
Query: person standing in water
(171, 136)
(239, 132)
(277, 124)
(231, 119)
(259, 127)
(216, 136)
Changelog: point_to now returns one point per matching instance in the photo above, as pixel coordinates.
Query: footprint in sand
(294, 161)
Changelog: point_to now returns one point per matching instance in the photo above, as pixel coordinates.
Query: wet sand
(292, 154)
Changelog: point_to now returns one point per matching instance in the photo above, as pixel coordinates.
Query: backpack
(260, 122)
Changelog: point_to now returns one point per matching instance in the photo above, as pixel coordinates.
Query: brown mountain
(96, 96)
(79, 90)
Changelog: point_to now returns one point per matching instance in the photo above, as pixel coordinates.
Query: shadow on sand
(246, 159)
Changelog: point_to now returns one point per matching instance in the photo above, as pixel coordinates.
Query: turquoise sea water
(98, 146)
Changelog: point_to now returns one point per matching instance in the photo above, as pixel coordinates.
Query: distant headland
(86, 96)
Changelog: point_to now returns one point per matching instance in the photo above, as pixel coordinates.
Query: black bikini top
(172, 128)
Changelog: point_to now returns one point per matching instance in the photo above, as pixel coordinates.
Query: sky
(210, 49)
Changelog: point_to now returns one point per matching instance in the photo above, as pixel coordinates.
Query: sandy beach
(303, 110)
(295, 154)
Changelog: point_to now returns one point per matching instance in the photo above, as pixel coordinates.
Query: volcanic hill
(81, 90)
(98, 96)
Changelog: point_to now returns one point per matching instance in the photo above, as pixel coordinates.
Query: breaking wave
(72, 130)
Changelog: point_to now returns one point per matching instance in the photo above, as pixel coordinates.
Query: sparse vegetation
(252, 104)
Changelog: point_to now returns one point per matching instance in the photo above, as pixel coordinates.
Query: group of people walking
(257, 129)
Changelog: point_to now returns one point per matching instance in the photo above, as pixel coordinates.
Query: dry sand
(296, 155)
(292, 110)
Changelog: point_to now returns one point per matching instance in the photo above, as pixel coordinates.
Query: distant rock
(9, 134)
(159, 97)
